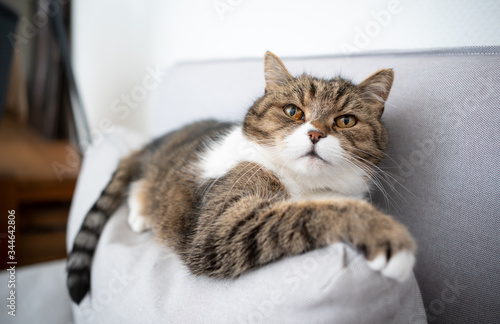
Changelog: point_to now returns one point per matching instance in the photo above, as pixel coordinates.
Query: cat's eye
(345, 121)
(293, 112)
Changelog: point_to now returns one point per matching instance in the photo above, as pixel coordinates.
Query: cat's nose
(315, 136)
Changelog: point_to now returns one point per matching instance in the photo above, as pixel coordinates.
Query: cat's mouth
(314, 155)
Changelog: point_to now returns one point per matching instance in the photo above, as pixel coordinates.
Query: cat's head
(314, 126)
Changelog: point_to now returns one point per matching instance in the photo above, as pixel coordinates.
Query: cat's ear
(275, 72)
(376, 88)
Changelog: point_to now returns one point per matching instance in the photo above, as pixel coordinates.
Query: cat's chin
(311, 165)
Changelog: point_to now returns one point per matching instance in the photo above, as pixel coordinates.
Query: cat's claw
(399, 267)
(378, 263)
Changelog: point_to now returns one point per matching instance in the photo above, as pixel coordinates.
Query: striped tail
(84, 246)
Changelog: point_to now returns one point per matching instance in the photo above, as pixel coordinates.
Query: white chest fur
(235, 147)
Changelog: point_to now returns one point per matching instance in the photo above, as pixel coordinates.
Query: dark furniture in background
(8, 21)
(38, 165)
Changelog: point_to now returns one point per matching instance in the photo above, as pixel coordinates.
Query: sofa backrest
(442, 172)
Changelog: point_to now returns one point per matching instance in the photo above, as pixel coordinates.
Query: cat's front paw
(399, 266)
(389, 248)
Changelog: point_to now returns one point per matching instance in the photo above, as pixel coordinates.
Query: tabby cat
(228, 198)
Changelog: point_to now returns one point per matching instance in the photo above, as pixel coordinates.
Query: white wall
(114, 41)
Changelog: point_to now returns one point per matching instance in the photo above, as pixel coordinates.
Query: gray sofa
(441, 178)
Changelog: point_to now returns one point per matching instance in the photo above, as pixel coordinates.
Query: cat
(293, 177)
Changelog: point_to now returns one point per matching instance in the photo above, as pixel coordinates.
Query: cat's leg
(247, 220)
(254, 231)
(136, 219)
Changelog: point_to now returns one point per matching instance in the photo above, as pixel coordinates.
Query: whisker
(376, 178)
(370, 175)
(384, 173)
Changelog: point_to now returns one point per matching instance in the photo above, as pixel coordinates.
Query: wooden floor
(37, 180)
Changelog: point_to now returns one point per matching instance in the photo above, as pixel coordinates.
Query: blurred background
(121, 51)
